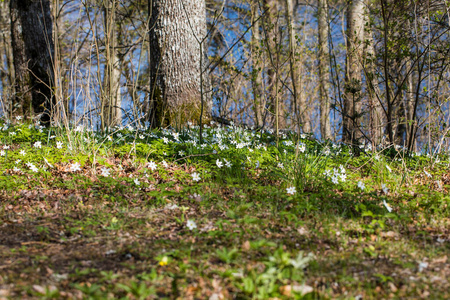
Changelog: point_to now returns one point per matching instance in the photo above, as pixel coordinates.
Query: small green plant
(138, 289)
(227, 256)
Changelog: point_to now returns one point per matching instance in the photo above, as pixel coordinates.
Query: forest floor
(160, 215)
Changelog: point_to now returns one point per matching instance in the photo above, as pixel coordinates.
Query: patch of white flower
(291, 190)
(191, 224)
(75, 167)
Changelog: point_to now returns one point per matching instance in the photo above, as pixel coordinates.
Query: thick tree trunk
(32, 43)
(324, 73)
(112, 102)
(352, 99)
(373, 89)
(6, 60)
(178, 58)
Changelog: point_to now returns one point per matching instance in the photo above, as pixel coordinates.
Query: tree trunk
(258, 100)
(112, 102)
(352, 99)
(32, 44)
(373, 89)
(6, 60)
(270, 25)
(178, 61)
(410, 98)
(324, 73)
(292, 59)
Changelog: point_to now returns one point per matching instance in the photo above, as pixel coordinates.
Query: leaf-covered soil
(234, 234)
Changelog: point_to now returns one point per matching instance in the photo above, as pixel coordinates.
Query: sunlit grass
(155, 214)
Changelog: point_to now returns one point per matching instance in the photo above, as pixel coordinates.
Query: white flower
(280, 165)
(141, 136)
(388, 207)
(426, 173)
(17, 161)
(59, 145)
(75, 167)
(181, 153)
(2, 153)
(326, 151)
(361, 185)
(389, 168)
(165, 164)
(171, 206)
(422, 266)
(16, 169)
(191, 224)
(22, 152)
(105, 171)
(343, 177)
(176, 135)
(32, 167)
(165, 140)
(152, 165)
(227, 163)
(18, 118)
(327, 173)
(302, 147)
(37, 144)
(195, 177)
(291, 190)
(257, 164)
(334, 179)
(136, 181)
(219, 163)
(109, 138)
(384, 188)
(5, 147)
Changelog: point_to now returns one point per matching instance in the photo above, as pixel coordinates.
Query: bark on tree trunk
(178, 58)
(373, 89)
(292, 59)
(324, 73)
(32, 43)
(6, 66)
(270, 20)
(352, 99)
(112, 102)
(410, 98)
(258, 100)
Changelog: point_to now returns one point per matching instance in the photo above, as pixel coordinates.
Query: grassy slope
(68, 233)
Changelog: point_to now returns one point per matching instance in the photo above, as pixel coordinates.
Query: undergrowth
(143, 214)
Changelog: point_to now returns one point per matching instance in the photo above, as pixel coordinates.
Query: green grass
(117, 228)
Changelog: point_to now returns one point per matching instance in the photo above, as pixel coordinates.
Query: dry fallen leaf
(246, 246)
(302, 231)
